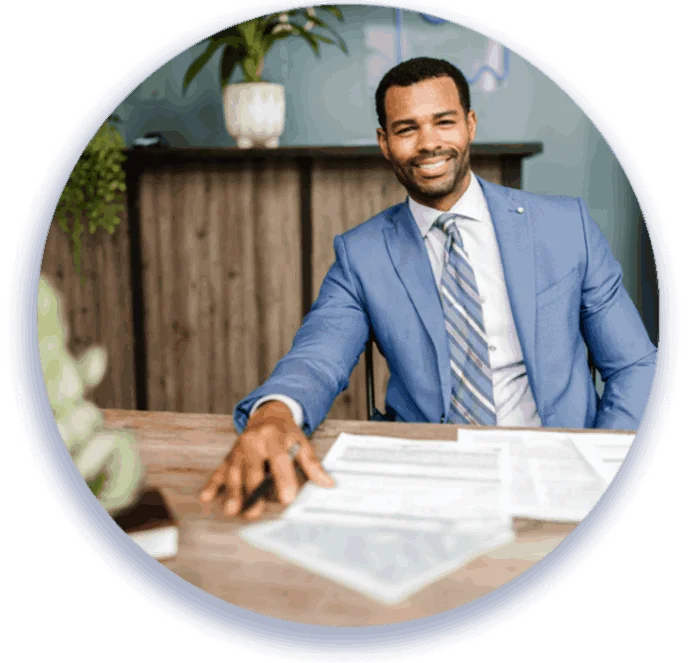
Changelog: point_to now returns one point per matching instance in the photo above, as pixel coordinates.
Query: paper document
(421, 484)
(612, 448)
(402, 514)
(551, 478)
(388, 564)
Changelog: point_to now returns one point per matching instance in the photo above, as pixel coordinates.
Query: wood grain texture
(220, 296)
(345, 194)
(221, 279)
(180, 451)
(488, 168)
(97, 310)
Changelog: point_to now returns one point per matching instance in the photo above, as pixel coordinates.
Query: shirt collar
(471, 204)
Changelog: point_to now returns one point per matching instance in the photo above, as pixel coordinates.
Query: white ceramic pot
(255, 113)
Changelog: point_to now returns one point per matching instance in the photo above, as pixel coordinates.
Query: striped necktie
(472, 399)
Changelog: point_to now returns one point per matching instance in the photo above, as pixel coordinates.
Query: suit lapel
(516, 245)
(512, 223)
(409, 256)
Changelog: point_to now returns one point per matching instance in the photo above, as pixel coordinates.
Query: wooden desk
(181, 450)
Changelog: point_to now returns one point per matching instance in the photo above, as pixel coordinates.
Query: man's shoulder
(539, 201)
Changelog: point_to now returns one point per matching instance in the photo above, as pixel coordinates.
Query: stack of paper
(402, 514)
(555, 476)
(405, 513)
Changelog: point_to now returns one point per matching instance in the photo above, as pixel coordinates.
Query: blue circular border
(249, 631)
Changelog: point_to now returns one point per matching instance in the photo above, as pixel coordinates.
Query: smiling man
(483, 300)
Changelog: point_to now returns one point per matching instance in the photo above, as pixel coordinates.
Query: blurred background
(197, 264)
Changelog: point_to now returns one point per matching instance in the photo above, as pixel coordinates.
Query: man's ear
(383, 144)
(472, 122)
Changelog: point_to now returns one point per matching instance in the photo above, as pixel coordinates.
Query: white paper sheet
(612, 448)
(401, 515)
(418, 484)
(387, 564)
(551, 478)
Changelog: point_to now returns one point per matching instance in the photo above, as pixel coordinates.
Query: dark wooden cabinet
(220, 256)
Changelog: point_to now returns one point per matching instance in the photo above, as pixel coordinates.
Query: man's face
(427, 140)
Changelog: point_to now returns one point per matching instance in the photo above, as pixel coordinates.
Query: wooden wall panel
(345, 194)
(97, 311)
(221, 278)
(221, 258)
(488, 168)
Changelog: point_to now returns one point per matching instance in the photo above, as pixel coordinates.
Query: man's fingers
(213, 484)
(244, 469)
(312, 467)
(282, 469)
(254, 477)
(234, 485)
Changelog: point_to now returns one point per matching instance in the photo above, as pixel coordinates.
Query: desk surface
(181, 450)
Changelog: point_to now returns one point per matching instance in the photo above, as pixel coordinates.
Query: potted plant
(108, 460)
(93, 195)
(255, 109)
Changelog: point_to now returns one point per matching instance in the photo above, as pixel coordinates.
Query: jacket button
(441, 421)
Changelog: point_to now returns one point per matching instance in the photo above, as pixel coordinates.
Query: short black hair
(416, 70)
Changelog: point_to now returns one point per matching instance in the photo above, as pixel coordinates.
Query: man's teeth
(432, 166)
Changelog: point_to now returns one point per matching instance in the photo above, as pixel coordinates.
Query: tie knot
(446, 223)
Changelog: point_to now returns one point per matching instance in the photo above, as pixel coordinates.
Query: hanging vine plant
(93, 196)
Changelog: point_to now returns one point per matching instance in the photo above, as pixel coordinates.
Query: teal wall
(330, 100)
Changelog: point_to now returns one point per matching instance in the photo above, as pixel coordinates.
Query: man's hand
(268, 435)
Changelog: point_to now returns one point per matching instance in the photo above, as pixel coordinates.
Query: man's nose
(429, 139)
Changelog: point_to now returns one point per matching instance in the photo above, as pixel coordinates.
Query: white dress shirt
(514, 401)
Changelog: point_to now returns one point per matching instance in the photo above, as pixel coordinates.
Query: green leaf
(275, 18)
(96, 484)
(236, 43)
(308, 37)
(270, 39)
(89, 200)
(198, 64)
(277, 15)
(223, 34)
(231, 57)
(321, 38)
(322, 24)
(249, 68)
(248, 31)
(332, 9)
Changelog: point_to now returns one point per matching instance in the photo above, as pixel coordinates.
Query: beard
(417, 186)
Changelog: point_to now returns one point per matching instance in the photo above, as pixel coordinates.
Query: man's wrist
(294, 407)
(274, 412)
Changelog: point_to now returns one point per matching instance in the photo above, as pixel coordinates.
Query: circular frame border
(249, 631)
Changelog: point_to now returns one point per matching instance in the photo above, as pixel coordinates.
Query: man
(480, 297)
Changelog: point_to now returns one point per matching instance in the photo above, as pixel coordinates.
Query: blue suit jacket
(565, 289)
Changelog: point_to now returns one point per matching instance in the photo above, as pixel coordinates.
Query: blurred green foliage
(93, 196)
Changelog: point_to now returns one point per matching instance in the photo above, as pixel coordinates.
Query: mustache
(433, 155)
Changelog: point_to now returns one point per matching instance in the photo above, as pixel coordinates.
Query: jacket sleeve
(615, 335)
(324, 351)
